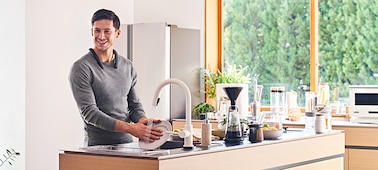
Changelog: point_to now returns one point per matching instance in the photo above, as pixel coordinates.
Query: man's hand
(144, 131)
(140, 129)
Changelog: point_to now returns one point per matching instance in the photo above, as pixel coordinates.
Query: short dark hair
(106, 14)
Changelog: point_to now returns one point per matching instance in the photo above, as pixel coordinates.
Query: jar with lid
(310, 121)
(278, 100)
(320, 123)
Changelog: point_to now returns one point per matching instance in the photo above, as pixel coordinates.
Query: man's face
(104, 34)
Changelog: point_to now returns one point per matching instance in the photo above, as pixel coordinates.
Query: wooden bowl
(218, 132)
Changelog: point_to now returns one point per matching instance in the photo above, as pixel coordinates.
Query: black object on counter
(255, 133)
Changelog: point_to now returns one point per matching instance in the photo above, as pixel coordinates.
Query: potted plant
(201, 109)
(232, 76)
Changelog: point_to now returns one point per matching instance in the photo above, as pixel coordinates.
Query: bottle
(278, 100)
(206, 133)
(309, 121)
(320, 123)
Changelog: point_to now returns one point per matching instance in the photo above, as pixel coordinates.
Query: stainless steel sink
(131, 149)
(172, 144)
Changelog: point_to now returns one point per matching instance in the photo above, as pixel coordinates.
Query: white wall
(12, 86)
(184, 13)
(58, 33)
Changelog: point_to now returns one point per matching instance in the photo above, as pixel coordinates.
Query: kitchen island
(295, 149)
(361, 142)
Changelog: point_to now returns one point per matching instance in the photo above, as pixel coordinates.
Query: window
(289, 41)
(348, 51)
(272, 38)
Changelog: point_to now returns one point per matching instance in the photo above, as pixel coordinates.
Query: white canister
(320, 123)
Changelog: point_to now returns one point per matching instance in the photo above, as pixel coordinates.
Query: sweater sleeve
(80, 81)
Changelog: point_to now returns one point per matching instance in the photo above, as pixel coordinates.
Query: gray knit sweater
(104, 92)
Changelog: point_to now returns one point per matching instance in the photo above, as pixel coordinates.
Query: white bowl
(272, 134)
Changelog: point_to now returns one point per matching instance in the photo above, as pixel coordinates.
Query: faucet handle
(184, 133)
(172, 133)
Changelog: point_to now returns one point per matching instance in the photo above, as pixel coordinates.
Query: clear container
(310, 101)
(233, 126)
(310, 122)
(323, 91)
(272, 125)
(271, 119)
(328, 118)
(278, 100)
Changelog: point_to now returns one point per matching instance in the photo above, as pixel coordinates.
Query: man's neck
(105, 56)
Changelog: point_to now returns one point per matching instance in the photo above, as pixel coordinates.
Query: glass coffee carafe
(233, 127)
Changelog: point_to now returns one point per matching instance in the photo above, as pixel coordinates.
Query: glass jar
(278, 100)
(323, 93)
(310, 121)
(328, 118)
(310, 101)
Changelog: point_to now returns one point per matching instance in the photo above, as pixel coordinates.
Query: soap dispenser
(206, 133)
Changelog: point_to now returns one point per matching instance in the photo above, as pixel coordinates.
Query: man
(103, 85)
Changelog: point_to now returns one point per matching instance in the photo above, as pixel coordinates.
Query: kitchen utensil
(233, 126)
(255, 106)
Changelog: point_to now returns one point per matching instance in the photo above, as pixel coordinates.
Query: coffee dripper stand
(233, 127)
(256, 104)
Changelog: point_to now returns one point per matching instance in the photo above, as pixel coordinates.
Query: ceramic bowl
(272, 134)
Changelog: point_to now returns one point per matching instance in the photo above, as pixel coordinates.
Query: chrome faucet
(187, 132)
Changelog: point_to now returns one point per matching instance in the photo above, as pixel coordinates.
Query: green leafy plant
(242, 121)
(201, 108)
(232, 75)
(9, 157)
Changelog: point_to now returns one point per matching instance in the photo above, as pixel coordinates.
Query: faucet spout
(187, 133)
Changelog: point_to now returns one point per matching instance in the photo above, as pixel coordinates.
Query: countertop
(133, 150)
(335, 122)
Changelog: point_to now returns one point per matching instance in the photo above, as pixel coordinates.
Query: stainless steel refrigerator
(161, 51)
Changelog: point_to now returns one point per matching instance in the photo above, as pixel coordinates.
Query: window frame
(214, 33)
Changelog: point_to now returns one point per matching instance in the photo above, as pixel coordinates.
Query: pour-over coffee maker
(233, 128)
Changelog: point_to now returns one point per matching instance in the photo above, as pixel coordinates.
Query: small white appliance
(363, 103)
